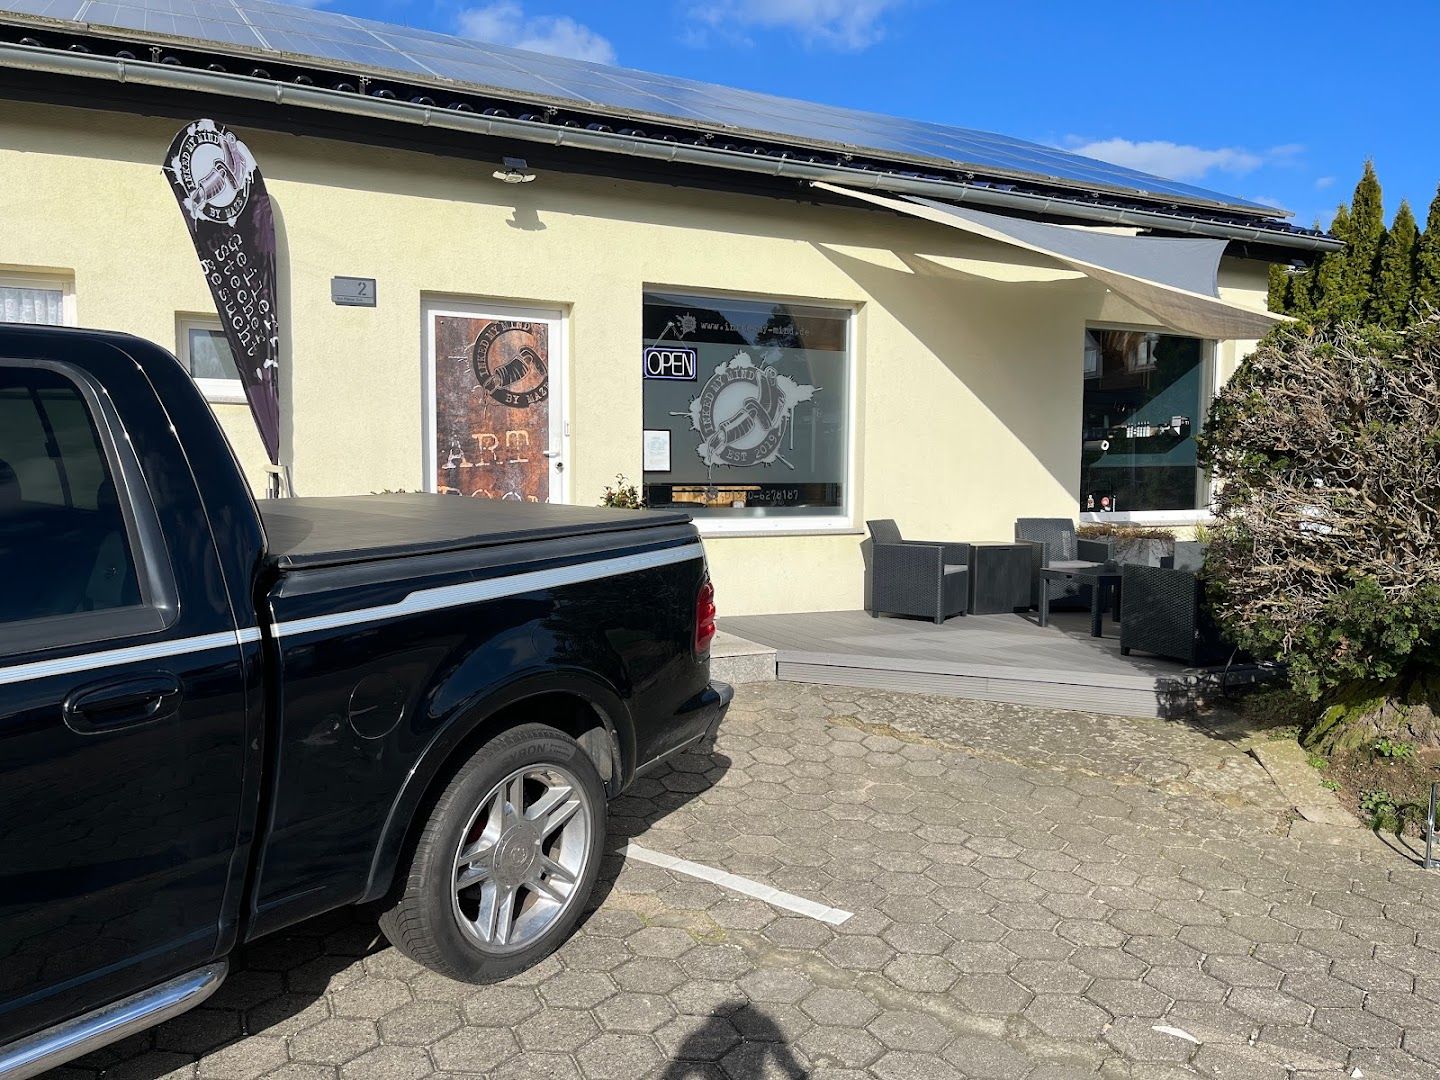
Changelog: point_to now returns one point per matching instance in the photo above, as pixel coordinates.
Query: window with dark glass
(746, 408)
(1144, 402)
(61, 525)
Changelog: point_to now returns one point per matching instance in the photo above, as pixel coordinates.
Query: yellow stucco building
(942, 378)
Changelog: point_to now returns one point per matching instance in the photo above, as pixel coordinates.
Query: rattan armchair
(914, 577)
(1054, 541)
(1163, 611)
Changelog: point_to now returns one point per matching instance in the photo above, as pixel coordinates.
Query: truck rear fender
(574, 701)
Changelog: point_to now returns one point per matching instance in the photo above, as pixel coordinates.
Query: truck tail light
(704, 618)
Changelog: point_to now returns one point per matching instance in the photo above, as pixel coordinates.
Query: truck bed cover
(307, 533)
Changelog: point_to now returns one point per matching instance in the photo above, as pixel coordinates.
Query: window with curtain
(21, 304)
(206, 354)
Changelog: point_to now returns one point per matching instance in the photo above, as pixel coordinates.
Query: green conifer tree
(1395, 277)
(1279, 288)
(1367, 230)
(1300, 294)
(1331, 276)
(1427, 259)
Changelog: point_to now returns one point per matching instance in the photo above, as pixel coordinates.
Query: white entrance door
(495, 412)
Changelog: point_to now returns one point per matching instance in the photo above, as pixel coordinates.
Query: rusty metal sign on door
(492, 407)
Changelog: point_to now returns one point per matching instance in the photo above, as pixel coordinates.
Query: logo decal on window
(743, 413)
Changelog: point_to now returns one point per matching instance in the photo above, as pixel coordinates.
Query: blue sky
(1276, 102)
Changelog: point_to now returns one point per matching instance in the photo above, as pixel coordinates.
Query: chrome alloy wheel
(521, 857)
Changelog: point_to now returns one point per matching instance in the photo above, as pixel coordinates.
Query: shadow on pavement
(654, 796)
(764, 1051)
(275, 979)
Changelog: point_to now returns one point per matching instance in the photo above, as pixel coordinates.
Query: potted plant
(1133, 543)
(622, 494)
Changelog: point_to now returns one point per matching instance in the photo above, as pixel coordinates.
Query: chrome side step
(64, 1042)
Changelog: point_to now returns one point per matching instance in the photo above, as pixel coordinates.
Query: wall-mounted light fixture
(514, 172)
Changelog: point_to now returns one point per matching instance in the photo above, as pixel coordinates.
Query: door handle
(93, 710)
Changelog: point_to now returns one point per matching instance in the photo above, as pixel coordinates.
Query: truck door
(122, 713)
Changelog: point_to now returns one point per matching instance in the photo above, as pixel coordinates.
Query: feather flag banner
(227, 210)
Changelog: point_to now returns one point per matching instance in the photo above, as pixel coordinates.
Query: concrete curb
(1289, 767)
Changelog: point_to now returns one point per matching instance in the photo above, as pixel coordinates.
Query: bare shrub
(1326, 549)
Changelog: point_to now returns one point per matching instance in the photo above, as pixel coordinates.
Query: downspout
(54, 61)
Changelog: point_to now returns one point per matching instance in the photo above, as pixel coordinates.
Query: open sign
(670, 362)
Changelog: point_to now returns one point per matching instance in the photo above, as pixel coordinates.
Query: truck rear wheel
(503, 867)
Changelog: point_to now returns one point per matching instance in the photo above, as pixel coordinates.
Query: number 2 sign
(353, 291)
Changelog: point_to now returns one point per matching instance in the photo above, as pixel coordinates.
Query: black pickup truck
(217, 719)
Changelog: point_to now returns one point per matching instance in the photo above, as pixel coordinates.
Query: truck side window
(64, 543)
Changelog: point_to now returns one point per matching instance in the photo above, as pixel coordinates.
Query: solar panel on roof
(259, 27)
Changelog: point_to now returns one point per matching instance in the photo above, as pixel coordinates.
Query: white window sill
(222, 391)
(710, 530)
(1154, 518)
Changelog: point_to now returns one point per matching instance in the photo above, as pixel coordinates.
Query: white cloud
(507, 23)
(847, 25)
(1323, 182)
(1269, 200)
(1173, 160)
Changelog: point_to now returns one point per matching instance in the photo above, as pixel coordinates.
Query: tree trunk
(1354, 717)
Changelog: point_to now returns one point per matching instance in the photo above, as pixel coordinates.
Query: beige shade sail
(1173, 280)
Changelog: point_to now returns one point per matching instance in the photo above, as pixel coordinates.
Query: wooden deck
(986, 657)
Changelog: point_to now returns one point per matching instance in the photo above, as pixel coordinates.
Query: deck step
(1003, 658)
(735, 660)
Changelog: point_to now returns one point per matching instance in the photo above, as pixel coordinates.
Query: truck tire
(506, 861)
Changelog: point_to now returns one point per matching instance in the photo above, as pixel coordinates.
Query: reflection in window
(751, 399)
(1143, 404)
(205, 352)
(209, 354)
(62, 530)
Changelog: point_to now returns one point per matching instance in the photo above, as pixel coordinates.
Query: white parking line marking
(736, 883)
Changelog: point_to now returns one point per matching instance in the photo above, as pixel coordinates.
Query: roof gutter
(85, 65)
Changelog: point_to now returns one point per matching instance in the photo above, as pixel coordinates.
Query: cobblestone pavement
(1037, 895)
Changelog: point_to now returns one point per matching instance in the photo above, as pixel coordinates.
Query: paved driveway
(1037, 895)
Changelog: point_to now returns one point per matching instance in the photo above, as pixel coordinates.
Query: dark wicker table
(1104, 582)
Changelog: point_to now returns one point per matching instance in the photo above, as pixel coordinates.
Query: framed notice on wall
(657, 450)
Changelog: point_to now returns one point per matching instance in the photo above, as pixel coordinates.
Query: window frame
(1205, 487)
(64, 285)
(154, 576)
(215, 391)
(843, 521)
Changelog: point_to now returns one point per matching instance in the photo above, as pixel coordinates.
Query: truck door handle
(92, 710)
